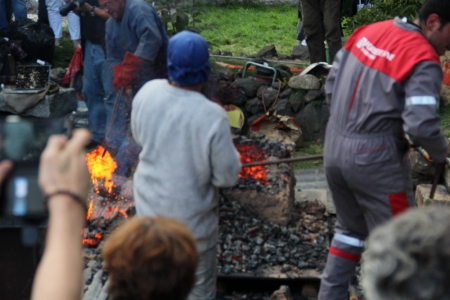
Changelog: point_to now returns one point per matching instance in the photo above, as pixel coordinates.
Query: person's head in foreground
(434, 19)
(150, 259)
(408, 258)
(188, 59)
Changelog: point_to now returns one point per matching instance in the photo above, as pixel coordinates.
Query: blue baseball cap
(188, 59)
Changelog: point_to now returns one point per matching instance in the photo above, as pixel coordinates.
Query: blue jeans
(94, 87)
(119, 138)
(19, 9)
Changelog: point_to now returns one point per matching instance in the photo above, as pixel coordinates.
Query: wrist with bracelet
(74, 196)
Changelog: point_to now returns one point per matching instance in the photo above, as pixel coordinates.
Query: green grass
(310, 148)
(444, 112)
(247, 29)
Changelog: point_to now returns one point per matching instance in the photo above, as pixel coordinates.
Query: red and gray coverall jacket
(384, 83)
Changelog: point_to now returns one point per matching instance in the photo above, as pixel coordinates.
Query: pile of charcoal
(246, 242)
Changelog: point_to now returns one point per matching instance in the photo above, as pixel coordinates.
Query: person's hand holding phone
(64, 179)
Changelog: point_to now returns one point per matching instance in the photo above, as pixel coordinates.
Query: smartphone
(22, 140)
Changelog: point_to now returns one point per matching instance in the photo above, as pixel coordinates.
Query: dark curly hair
(150, 259)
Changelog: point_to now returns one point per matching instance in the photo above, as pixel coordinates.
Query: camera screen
(24, 139)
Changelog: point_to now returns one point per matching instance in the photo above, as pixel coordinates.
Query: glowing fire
(91, 241)
(249, 154)
(89, 211)
(101, 165)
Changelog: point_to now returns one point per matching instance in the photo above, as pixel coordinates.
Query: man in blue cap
(187, 152)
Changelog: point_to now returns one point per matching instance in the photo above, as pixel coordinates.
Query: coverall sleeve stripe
(421, 100)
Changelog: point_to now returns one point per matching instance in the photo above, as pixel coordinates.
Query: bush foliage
(381, 10)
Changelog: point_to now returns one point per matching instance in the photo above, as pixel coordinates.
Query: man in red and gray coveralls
(385, 82)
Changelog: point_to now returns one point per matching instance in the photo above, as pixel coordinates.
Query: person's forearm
(60, 270)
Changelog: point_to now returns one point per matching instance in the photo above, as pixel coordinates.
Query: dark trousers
(370, 183)
(42, 13)
(320, 16)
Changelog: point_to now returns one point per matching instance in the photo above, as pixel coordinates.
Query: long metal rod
(113, 117)
(280, 161)
(269, 60)
(437, 176)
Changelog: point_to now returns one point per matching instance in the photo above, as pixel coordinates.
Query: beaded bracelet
(74, 196)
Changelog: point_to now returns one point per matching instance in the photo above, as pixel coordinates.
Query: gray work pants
(205, 285)
(370, 182)
(321, 21)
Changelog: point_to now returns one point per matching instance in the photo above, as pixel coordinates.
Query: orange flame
(249, 154)
(123, 213)
(101, 165)
(91, 242)
(89, 211)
